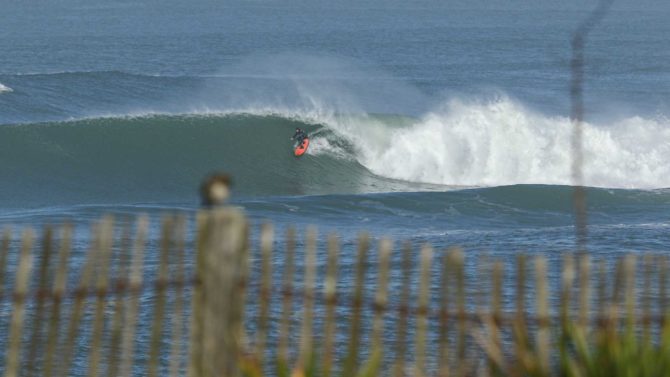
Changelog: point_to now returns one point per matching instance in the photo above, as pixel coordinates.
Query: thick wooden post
(218, 298)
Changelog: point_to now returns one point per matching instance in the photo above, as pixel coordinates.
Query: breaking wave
(151, 158)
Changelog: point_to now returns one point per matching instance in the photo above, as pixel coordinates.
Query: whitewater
(5, 89)
(502, 143)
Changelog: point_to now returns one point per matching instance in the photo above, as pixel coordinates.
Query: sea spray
(502, 143)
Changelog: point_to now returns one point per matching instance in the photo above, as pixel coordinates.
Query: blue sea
(441, 122)
(434, 121)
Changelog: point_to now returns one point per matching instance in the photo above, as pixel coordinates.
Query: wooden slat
(77, 309)
(351, 361)
(372, 366)
(330, 294)
(37, 326)
(401, 329)
(134, 287)
(101, 288)
(496, 313)
(267, 239)
(443, 361)
(567, 280)
(243, 261)
(305, 352)
(121, 283)
(178, 315)
(197, 301)
(542, 300)
(457, 261)
(520, 328)
(491, 343)
(13, 355)
(153, 364)
(4, 250)
(287, 303)
(59, 286)
(422, 308)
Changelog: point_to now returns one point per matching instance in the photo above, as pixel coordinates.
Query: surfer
(299, 135)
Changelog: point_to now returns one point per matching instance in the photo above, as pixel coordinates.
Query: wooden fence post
(217, 301)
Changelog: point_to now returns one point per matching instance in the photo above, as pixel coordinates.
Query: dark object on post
(215, 189)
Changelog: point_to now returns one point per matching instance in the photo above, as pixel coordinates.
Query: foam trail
(503, 143)
(5, 89)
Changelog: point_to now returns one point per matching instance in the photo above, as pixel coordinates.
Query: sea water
(444, 122)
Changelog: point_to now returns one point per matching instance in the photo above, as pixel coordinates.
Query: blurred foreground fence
(216, 306)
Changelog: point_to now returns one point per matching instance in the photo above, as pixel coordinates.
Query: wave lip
(5, 89)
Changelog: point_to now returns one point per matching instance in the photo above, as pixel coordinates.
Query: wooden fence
(305, 307)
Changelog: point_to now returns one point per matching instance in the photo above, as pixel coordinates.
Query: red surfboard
(302, 148)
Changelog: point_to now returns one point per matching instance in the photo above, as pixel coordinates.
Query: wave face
(163, 158)
(155, 158)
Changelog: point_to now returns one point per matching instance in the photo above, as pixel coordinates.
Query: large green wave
(164, 157)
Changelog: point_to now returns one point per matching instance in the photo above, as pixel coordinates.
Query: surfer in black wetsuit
(299, 135)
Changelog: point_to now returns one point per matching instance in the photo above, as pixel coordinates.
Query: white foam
(502, 142)
(5, 89)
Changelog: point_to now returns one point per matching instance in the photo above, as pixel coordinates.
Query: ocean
(440, 122)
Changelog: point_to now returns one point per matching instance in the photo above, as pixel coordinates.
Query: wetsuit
(299, 135)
